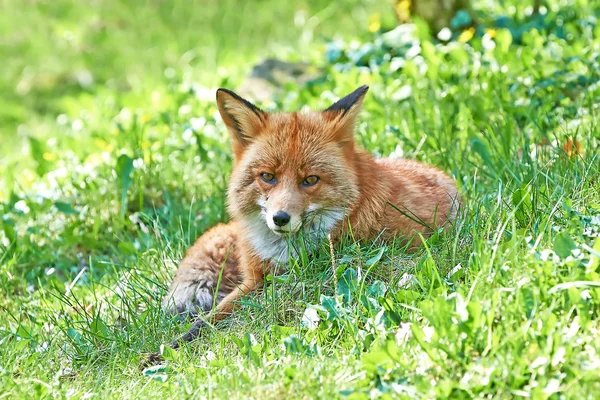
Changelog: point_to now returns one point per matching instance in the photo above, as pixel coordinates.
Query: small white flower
(559, 356)
(310, 319)
(185, 109)
(84, 78)
(397, 153)
(414, 51)
(522, 282)
(445, 34)
(538, 362)
(62, 119)
(138, 163)
(209, 356)
(487, 42)
(197, 123)
(585, 294)
(397, 63)
(402, 94)
(188, 136)
(403, 333)
(77, 125)
(461, 308)
(21, 206)
(406, 281)
(124, 115)
(203, 93)
(428, 331)
(552, 386)
(548, 255)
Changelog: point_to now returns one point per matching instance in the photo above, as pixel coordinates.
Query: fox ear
(343, 113)
(243, 119)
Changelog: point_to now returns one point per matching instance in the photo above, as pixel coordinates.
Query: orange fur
(275, 154)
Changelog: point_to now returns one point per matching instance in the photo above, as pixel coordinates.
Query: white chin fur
(292, 227)
(267, 244)
(273, 246)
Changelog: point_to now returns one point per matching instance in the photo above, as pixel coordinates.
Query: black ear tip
(222, 101)
(225, 91)
(349, 101)
(231, 93)
(361, 91)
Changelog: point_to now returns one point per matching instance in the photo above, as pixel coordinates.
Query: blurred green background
(56, 51)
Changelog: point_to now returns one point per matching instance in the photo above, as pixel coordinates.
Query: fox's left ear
(243, 119)
(343, 113)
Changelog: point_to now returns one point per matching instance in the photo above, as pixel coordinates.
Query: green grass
(106, 183)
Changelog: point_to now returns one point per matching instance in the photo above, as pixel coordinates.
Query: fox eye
(310, 181)
(268, 177)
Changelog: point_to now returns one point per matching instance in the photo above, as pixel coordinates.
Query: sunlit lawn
(113, 160)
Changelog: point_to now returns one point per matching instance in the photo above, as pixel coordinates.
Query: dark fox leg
(253, 278)
(209, 269)
(224, 309)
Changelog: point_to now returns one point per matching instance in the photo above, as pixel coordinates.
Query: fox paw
(189, 299)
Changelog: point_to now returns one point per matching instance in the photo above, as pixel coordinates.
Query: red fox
(300, 177)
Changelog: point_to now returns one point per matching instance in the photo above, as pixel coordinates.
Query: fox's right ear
(243, 119)
(343, 114)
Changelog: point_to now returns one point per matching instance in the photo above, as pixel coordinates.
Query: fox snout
(283, 221)
(281, 218)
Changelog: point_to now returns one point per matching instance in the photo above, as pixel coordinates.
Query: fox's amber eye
(268, 177)
(310, 180)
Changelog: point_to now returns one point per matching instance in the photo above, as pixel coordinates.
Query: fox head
(292, 171)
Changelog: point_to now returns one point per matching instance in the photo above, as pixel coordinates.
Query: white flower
(124, 115)
(428, 331)
(84, 78)
(538, 362)
(188, 136)
(310, 319)
(406, 281)
(203, 93)
(461, 308)
(209, 356)
(138, 163)
(397, 153)
(62, 119)
(185, 109)
(585, 294)
(21, 206)
(403, 333)
(445, 34)
(197, 123)
(402, 94)
(487, 42)
(559, 356)
(552, 386)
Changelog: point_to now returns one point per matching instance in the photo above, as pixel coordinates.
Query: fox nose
(281, 218)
